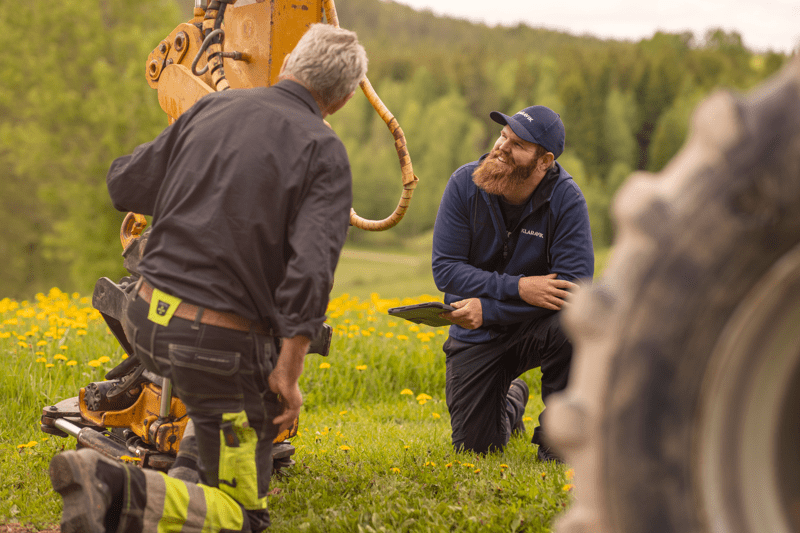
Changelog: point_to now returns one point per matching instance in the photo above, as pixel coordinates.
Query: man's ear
(546, 161)
(283, 65)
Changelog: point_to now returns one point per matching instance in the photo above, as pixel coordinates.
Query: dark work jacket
(474, 256)
(250, 193)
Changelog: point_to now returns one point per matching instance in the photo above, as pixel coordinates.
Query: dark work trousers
(479, 375)
(216, 372)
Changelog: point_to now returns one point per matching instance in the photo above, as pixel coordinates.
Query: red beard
(497, 178)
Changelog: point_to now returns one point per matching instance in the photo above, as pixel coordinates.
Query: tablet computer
(425, 313)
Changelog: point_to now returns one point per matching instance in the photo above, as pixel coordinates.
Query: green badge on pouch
(162, 307)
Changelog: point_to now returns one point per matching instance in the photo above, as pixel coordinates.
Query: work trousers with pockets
(478, 378)
(221, 376)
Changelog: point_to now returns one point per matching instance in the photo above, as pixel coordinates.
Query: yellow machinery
(228, 44)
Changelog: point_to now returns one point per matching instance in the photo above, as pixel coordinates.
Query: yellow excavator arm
(234, 44)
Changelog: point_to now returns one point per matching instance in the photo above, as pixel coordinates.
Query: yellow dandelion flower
(20, 337)
(423, 396)
(49, 365)
(81, 332)
(569, 474)
(72, 363)
(391, 324)
(42, 343)
(477, 470)
(422, 402)
(503, 465)
(413, 327)
(395, 470)
(361, 367)
(342, 413)
(365, 333)
(94, 363)
(40, 353)
(543, 474)
(41, 360)
(567, 487)
(60, 357)
(324, 365)
(407, 391)
(64, 347)
(344, 447)
(468, 465)
(104, 359)
(449, 465)
(406, 447)
(30, 444)
(402, 337)
(23, 344)
(527, 419)
(389, 335)
(436, 415)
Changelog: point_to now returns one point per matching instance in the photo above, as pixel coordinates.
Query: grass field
(373, 450)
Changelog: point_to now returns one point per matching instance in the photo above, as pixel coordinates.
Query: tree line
(75, 97)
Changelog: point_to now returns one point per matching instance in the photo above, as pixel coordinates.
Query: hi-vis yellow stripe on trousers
(175, 506)
(238, 472)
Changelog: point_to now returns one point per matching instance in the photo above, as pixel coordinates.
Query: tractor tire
(682, 413)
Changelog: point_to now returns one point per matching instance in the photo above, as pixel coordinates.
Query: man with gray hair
(250, 194)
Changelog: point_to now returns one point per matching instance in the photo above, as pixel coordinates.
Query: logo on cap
(524, 114)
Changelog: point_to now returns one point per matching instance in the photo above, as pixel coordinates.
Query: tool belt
(209, 317)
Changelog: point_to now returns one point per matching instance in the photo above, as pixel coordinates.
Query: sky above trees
(764, 25)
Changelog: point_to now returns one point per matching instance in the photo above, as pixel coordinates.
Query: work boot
(87, 498)
(545, 454)
(518, 395)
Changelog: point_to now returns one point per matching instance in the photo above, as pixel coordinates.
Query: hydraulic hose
(212, 43)
(409, 178)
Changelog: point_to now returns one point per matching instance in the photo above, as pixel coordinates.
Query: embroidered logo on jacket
(533, 233)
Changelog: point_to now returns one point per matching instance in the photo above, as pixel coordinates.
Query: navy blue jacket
(475, 257)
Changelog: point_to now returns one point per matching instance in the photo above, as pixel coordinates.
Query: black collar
(299, 91)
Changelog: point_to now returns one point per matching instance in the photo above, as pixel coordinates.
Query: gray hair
(329, 61)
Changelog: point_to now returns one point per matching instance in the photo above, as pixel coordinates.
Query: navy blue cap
(537, 124)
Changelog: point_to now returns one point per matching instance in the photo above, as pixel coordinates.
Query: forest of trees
(75, 97)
